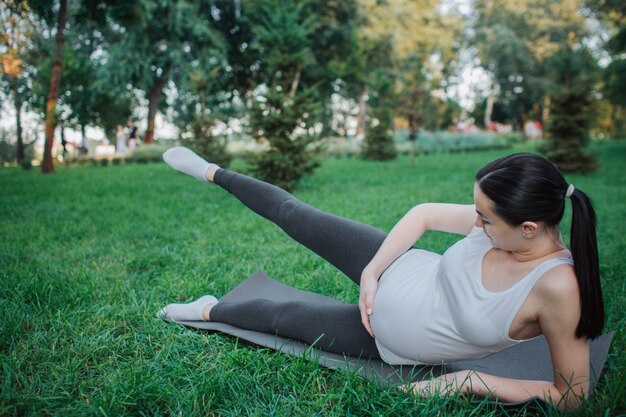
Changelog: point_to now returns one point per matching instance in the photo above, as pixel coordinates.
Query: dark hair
(528, 187)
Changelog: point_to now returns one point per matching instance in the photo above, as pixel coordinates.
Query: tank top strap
(543, 267)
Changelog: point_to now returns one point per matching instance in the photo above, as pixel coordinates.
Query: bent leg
(346, 244)
(334, 328)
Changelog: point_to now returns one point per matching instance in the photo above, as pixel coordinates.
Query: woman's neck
(540, 246)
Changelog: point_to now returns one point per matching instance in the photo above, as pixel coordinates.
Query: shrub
(205, 143)
(286, 123)
(7, 149)
(513, 138)
(29, 155)
(81, 160)
(378, 144)
(148, 153)
(444, 141)
(569, 133)
(571, 110)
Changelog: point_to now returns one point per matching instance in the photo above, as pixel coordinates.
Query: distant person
(64, 143)
(120, 141)
(532, 129)
(539, 129)
(509, 279)
(133, 136)
(454, 126)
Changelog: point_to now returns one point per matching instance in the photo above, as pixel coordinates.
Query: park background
(358, 106)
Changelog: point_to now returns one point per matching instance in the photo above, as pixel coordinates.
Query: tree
(514, 39)
(573, 72)
(537, 55)
(513, 66)
(426, 69)
(85, 96)
(44, 8)
(613, 14)
(409, 48)
(201, 103)
(281, 111)
(16, 69)
(90, 96)
(286, 123)
(378, 143)
(168, 36)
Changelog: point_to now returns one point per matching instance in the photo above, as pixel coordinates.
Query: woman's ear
(529, 229)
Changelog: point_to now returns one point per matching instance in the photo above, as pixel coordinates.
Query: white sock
(186, 161)
(187, 312)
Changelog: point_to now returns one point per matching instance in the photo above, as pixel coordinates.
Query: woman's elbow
(570, 399)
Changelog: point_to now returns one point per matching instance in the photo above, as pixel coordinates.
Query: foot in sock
(188, 162)
(194, 311)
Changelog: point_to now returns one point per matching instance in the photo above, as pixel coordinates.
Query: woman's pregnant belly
(403, 308)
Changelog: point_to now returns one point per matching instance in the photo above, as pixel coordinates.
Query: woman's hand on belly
(369, 287)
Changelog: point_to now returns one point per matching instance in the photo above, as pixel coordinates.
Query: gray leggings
(346, 244)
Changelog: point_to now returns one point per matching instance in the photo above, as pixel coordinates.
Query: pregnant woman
(510, 279)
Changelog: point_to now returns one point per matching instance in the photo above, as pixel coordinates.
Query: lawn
(88, 255)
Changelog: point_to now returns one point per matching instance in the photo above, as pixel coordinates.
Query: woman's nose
(479, 222)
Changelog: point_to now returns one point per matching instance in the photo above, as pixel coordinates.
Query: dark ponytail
(526, 187)
(586, 264)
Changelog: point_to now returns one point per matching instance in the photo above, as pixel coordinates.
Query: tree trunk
(203, 105)
(19, 151)
(617, 122)
(360, 117)
(83, 136)
(47, 165)
(153, 106)
(545, 114)
(489, 110)
(203, 111)
(413, 136)
(295, 82)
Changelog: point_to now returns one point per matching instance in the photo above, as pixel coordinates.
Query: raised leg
(347, 244)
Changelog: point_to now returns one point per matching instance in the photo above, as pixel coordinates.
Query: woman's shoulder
(558, 308)
(558, 283)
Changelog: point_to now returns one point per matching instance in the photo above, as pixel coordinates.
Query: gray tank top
(433, 309)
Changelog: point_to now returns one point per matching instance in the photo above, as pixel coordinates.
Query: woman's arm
(453, 218)
(566, 394)
(558, 318)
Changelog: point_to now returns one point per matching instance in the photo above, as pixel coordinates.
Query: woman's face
(502, 235)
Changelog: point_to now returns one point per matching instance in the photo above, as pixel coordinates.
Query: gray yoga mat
(528, 360)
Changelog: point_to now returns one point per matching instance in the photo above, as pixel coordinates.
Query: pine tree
(210, 146)
(378, 144)
(571, 111)
(284, 109)
(282, 120)
(569, 132)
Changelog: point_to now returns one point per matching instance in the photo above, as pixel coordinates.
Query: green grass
(88, 255)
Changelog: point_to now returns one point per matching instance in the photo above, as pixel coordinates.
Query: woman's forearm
(451, 218)
(505, 389)
(403, 235)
